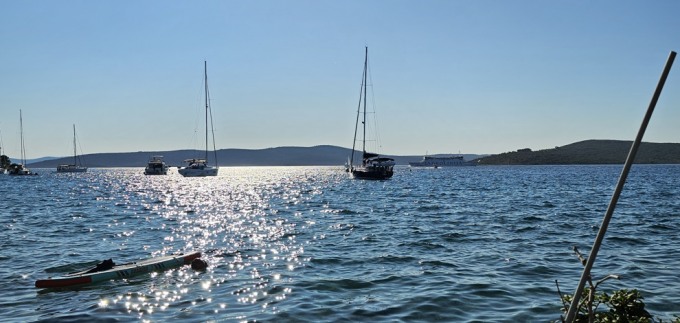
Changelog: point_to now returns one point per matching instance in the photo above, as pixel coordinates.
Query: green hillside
(589, 152)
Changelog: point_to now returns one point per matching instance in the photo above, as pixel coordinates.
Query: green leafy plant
(622, 306)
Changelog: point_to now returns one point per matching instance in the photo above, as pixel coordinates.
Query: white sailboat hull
(198, 172)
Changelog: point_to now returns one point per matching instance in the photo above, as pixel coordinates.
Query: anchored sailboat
(198, 167)
(76, 167)
(20, 169)
(372, 165)
(4, 160)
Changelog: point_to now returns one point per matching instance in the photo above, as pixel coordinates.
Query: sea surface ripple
(310, 244)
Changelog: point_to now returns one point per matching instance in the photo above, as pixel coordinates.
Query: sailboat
(198, 167)
(75, 167)
(4, 160)
(19, 169)
(372, 165)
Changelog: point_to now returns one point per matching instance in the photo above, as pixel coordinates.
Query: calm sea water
(310, 244)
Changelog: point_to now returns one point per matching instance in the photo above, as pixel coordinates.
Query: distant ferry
(436, 162)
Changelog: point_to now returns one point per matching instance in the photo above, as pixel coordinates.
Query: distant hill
(589, 152)
(280, 156)
(583, 152)
(35, 160)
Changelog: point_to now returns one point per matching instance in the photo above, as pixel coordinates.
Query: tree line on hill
(583, 152)
(589, 152)
(4, 162)
(325, 155)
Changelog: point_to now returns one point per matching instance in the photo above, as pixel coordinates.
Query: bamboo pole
(617, 192)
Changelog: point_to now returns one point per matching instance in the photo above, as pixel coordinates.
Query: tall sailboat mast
(365, 95)
(205, 69)
(74, 146)
(362, 95)
(21, 132)
(208, 113)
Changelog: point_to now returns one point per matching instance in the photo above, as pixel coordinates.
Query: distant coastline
(583, 152)
(324, 155)
(589, 152)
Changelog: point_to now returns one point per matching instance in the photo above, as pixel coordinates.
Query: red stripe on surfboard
(55, 283)
(191, 257)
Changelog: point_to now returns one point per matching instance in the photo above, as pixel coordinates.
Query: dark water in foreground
(309, 244)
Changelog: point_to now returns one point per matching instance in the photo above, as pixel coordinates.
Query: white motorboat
(156, 166)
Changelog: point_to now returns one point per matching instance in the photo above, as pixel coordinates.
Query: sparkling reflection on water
(308, 244)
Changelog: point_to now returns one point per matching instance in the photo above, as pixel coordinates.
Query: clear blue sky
(448, 76)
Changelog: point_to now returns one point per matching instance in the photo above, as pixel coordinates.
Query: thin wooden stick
(619, 187)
